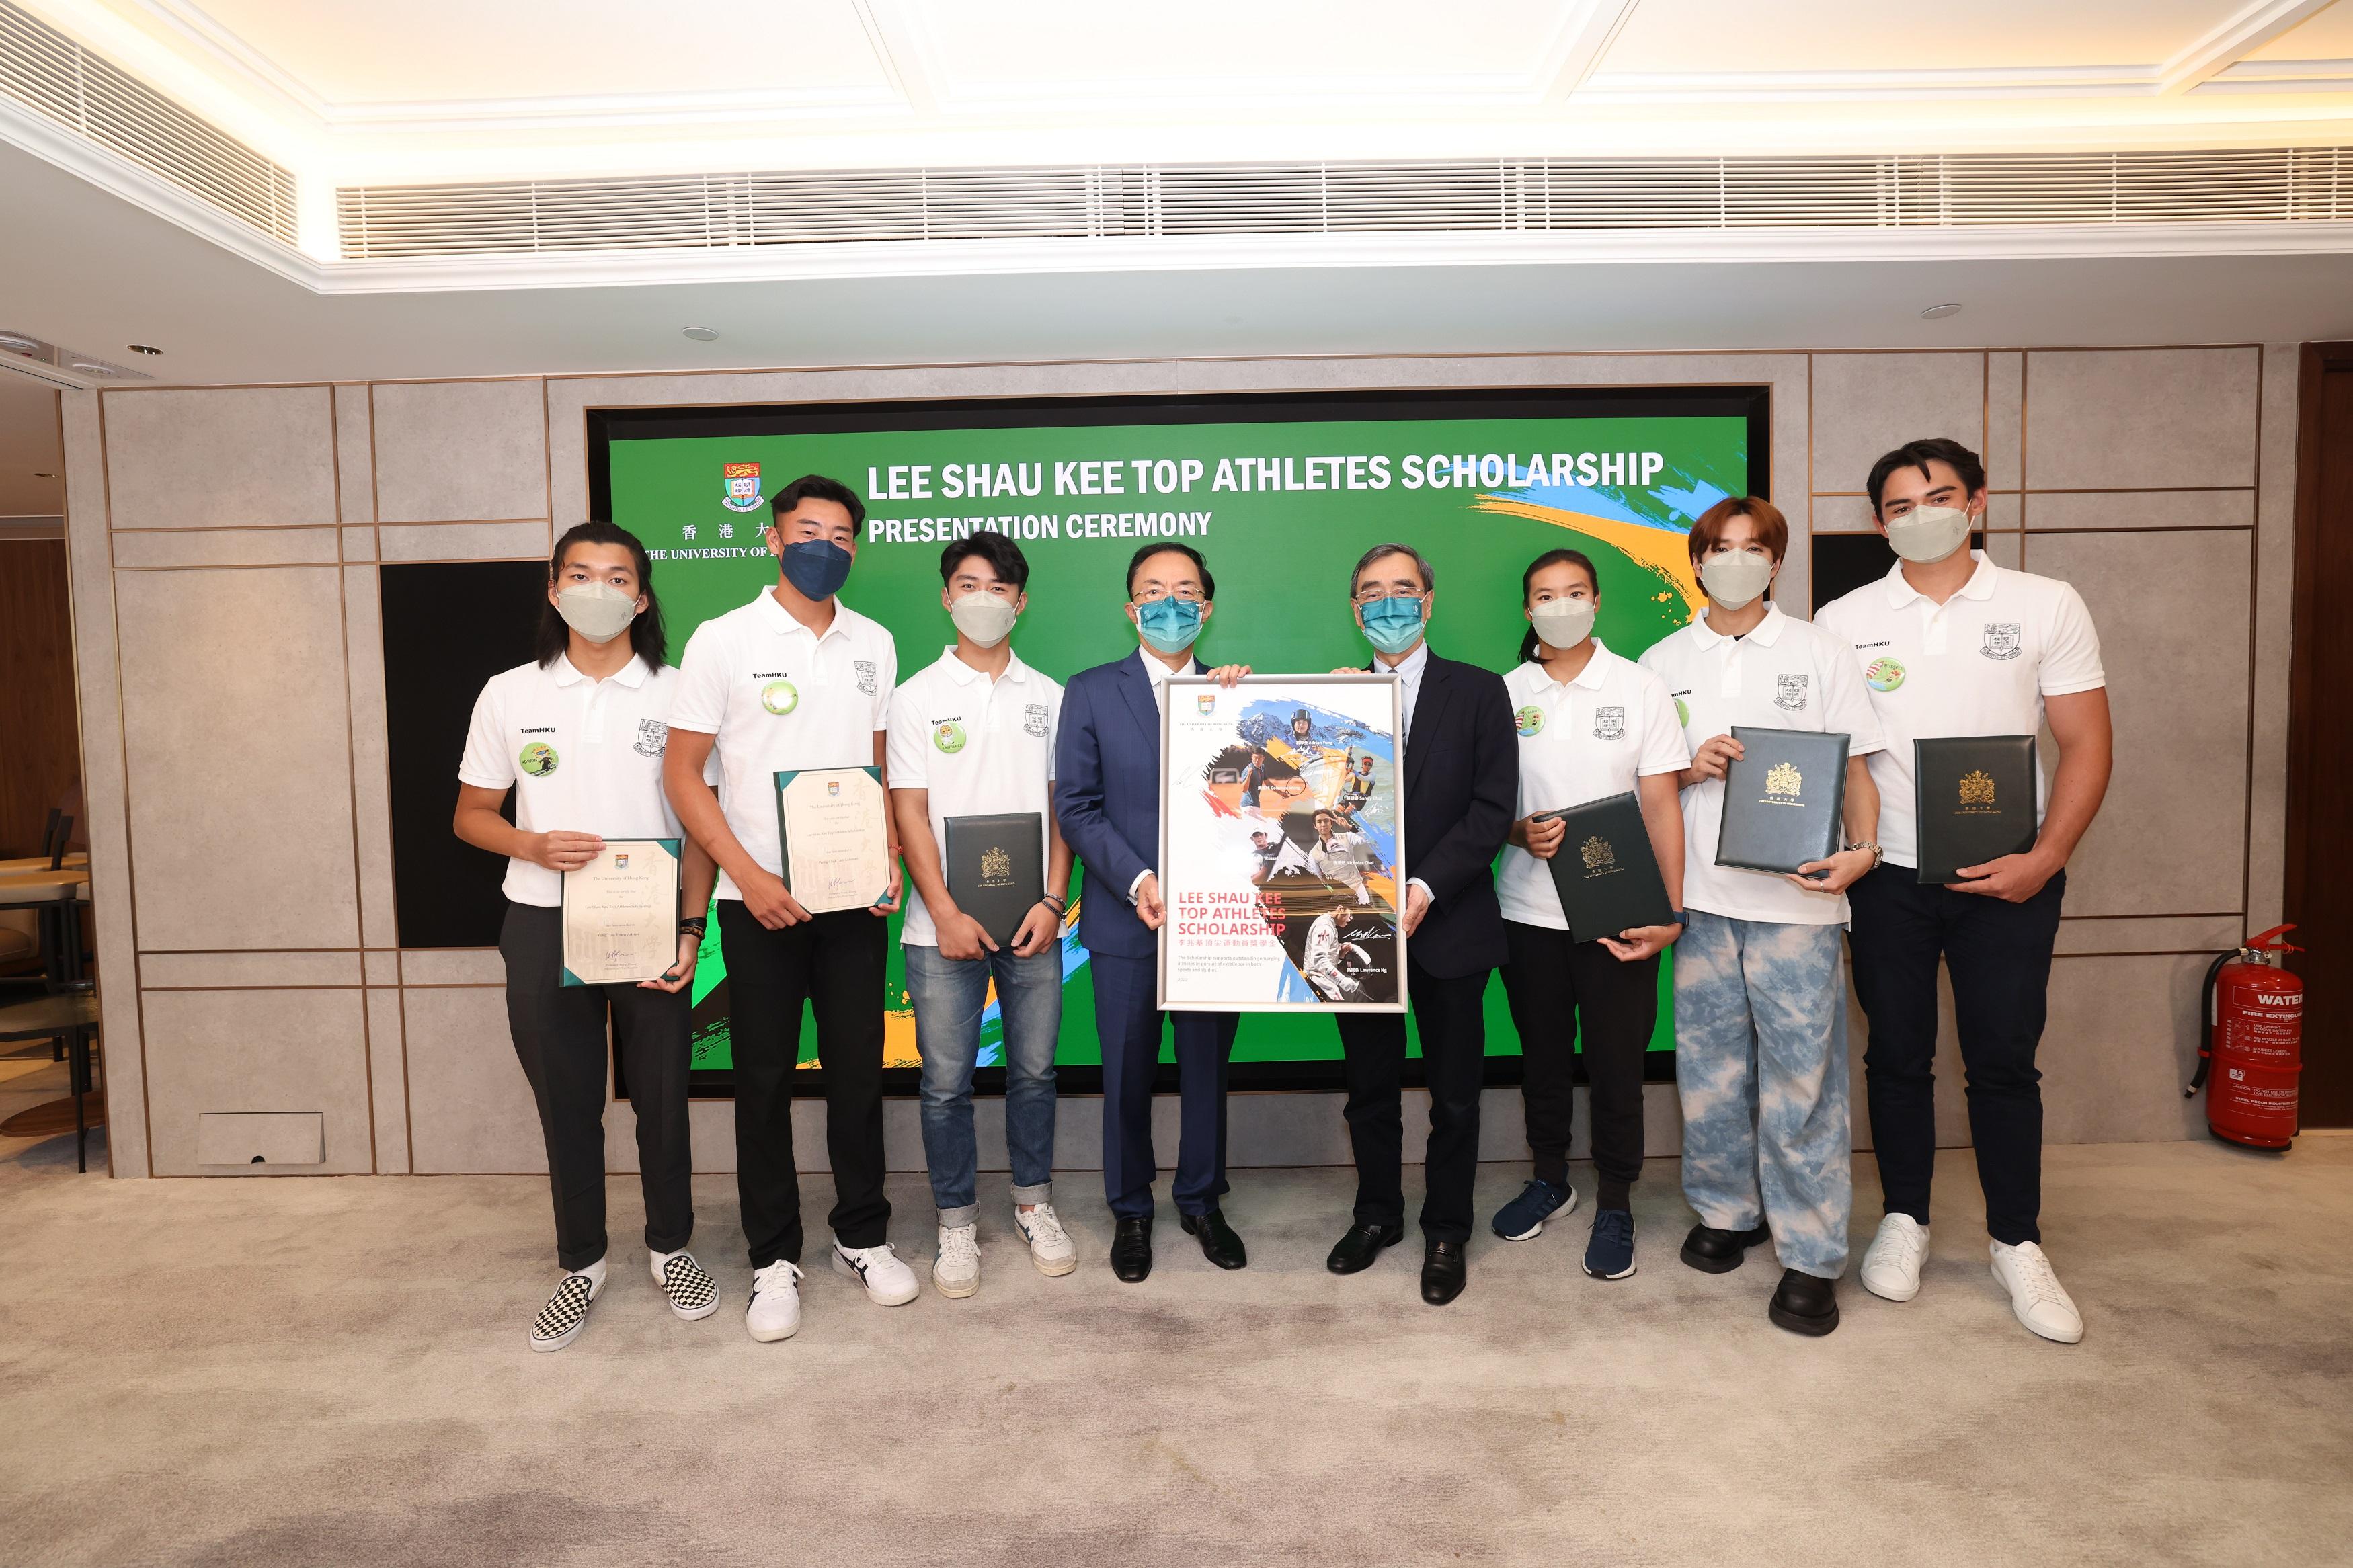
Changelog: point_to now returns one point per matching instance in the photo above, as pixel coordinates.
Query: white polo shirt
(582, 756)
(780, 698)
(982, 748)
(1581, 741)
(1783, 675)
(1978, 663)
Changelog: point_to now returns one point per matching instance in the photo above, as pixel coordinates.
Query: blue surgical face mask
(1171, 625)
(817, 567)
(1393, 625)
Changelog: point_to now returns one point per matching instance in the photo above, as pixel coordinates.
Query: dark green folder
(1784, 799)
(1975, 800)
(1606, 876)
(996, 869)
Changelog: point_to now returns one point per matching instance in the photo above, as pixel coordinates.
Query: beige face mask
(1562, 622)
(1736, 577)
(984, 617)
(597, 611)
(1928, 533)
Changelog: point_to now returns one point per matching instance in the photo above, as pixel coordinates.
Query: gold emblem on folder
(996, 866)
(1783, 778)
(1598, 853)
(1977, 788)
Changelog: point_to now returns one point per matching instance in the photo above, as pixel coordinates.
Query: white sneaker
(2035, 1294)
(1892, 1268)
(775, 1309)
(888, 1281)
(1050, 1247)
(955, 1272)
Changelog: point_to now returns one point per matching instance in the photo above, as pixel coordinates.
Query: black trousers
(2000, 957)
(559, 1035)
(1453, 1052)
(834, 963)
(1561, 990)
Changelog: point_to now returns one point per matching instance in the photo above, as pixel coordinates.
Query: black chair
(68, 1015)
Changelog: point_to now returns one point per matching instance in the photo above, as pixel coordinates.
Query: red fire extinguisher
(2254, 1012)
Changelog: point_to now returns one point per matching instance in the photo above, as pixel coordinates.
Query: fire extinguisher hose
(2206, 1022)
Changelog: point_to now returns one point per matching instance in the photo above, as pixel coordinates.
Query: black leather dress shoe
(1131, 1249)
(1714, 1251)
(1804, 1304)
(1356, 1250)
(1219, 1245)
(1442, 1272)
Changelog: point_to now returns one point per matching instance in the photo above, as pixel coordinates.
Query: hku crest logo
(832, 788)
(1610, 723)
(866, 676)
(620, 859)
(2001, 639)
(1783, 778)
(1789, 691)
(1977, 788)
(743, 488)
(1033, 719)
(653, 737)
(1597, 853)
(1207, 702)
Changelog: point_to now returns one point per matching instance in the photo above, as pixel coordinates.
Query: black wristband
(700, 926)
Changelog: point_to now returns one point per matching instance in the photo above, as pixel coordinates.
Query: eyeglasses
(1374, 593)
(1153, 595)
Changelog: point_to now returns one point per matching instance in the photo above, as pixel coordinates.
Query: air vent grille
(49, 72)
(2262, 185)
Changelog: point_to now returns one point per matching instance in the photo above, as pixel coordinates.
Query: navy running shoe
(1610, 1252)
(1524, 1216)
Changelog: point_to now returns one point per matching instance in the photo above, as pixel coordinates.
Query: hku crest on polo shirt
(1789, 691)
(865, 667)
(2001, 639)
(1610, 723)
(653, 737)
(743, 488)
(1033, 719)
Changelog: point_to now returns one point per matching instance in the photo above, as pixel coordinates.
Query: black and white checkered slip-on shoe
(567, 1313)
(691, 1293)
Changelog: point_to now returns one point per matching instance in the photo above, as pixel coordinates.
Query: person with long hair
(1760, 982)
(578, 735)
(1591, 724)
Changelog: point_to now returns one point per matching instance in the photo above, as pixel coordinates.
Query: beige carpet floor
(334, 1371)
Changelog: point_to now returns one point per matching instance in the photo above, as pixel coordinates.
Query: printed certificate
(620, 914)
(835, 826)
(1283, 847)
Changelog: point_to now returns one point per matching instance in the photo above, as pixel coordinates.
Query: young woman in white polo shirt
(1760, 981)
(1591, 725)
(578, 735)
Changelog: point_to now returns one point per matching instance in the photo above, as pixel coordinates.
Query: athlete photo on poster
(1281, 857)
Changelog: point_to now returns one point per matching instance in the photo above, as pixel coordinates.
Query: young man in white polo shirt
(1950, 644)
(973, 735)
(795, 679)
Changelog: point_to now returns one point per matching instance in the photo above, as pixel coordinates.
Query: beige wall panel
(2005, 418)
(381, 967)
(2141, 509)
(258, 1050)
(2171, 609)
(469, 1107)
(460, 451)
(1841, 514)
(2139, 419)
(388, 1080)
(98, 692)
(225, 547)
(198, 971)
(1867, 404)
(359, 544)
(452, 967)
(371, 754)
(221, 458)
(2275, 617)
(2120, 1047)
(463, 541)
(240, 766)
(354, 453)
(2156, 933)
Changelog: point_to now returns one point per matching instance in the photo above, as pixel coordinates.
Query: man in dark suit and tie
(1461, 780)
(1107, 798)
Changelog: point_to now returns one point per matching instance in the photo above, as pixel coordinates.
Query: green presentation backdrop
(1280, 505)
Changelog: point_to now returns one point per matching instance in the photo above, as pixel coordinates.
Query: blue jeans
(948, 995)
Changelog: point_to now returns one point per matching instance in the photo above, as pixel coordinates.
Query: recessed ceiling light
(143, 349)
(16, 344)
(93, 367)
(703, 334)
(1938, 312)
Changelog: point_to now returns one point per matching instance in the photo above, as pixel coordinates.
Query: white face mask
(984, 617)
(1928, 533)
(597, 611)
(1736, 576)
(1562, 622)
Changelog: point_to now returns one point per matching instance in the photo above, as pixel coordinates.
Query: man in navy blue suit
(1107, 797)
(1460, 788)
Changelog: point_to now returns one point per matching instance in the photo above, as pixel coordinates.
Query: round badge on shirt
(1528, 720)
(780, 697)
(537, 760)
(949, 737)
(1885, 674)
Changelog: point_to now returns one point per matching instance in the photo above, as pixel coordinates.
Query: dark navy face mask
(817, 567)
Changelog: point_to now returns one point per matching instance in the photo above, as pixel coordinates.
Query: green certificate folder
(1975, 799)
(833, 838)
(1784, 799)
(1606, 876)
(997, 869)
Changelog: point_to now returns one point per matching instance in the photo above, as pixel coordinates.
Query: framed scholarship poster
(1282, 849)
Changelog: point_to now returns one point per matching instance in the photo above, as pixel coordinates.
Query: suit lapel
(1433, 677)
(1138, 688)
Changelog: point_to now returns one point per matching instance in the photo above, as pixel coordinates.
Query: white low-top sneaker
(955, 1272)
(567, 1312)
(1892, 1268)
(1050, 1247)
(775, 1309)
(2035, 1293)
(888, 1281)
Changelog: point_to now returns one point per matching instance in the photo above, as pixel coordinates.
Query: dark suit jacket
(1461, 788)
(1107, 798)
